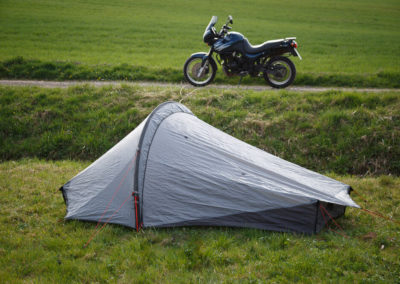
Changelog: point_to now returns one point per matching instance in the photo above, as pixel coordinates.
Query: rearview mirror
(230, 19)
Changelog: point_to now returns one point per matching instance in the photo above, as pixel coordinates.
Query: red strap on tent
(322, 208)
(136, 210)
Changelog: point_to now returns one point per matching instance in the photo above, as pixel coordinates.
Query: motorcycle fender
(296, 53)
(205, 56)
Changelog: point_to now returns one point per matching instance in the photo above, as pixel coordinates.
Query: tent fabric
(88, 194)
(153, 122)
(186, 172)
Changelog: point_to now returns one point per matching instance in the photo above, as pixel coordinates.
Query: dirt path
(66, 84)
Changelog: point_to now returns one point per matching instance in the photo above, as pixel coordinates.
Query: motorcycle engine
(232, 63)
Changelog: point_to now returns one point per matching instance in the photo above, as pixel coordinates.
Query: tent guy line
(118, 188)
(106, 222)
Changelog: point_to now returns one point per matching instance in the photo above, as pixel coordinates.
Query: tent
(176, 170)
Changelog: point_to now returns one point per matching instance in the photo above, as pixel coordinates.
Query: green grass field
(36, 246)
(353, 43)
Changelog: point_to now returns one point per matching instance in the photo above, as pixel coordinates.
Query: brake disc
(196, 69)
(280, 71)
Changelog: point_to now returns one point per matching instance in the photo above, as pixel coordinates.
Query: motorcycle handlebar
(224, 30)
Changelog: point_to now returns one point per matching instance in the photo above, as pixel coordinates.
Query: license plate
(298, 54)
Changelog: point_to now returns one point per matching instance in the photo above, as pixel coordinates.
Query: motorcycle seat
(261, 47)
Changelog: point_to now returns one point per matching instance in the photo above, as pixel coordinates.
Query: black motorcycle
(238, 57)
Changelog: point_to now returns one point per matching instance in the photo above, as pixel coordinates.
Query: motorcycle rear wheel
(280, 73)
(197, 76)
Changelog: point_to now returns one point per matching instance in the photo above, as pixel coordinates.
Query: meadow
(49, 135)
(37, 246)
(345, 43)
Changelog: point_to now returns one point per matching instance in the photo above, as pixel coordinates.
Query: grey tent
(175, 170)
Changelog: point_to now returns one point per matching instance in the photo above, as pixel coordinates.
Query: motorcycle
(238, 57)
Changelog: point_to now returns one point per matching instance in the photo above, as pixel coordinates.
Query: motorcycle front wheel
(280, 72)
(199, 75)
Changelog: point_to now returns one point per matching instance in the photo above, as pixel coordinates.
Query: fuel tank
(233, 41)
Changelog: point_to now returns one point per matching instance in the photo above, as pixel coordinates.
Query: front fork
(205, 58)
(203, 63)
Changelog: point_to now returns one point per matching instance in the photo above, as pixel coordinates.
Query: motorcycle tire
(280, 73)
(193, 73)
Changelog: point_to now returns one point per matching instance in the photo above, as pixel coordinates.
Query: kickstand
(240, 80)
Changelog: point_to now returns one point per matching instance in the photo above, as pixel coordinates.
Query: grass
(345, 43)
(341, 132)
(37, 246)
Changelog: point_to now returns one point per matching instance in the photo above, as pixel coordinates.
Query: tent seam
(147, 157)
(139, 148)
(316, 216)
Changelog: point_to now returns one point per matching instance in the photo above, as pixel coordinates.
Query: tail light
(293, 44)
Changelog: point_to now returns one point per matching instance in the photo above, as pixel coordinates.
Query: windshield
(213, 21)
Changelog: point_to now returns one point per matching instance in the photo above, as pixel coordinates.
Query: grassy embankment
(350, 133)
(332, 132)
(344, 43)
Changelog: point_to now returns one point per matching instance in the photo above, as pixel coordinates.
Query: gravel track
(67, 84)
